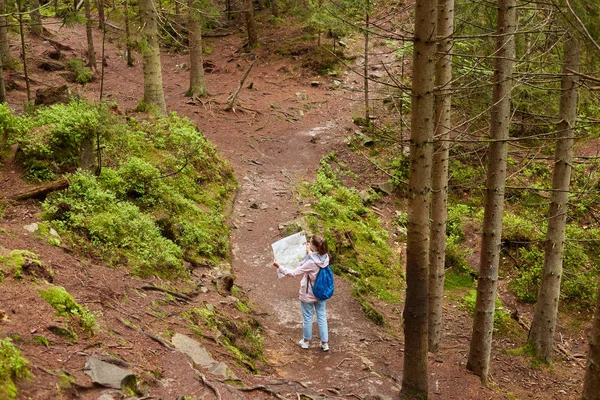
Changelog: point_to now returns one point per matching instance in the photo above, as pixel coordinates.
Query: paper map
(290, 250)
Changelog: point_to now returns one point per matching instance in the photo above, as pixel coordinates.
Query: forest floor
(285, 124)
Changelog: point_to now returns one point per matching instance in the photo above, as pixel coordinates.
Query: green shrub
(163, 198)
(13, 367)
(66, 306)
(502, 318)
(354, 233)
(82, 73)
(52, 138)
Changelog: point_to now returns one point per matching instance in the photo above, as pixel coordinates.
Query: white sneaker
(303, 343)
(324, 346)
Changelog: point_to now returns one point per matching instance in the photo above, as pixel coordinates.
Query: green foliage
(82, 73)
(354, 233)
(164, 199)
(457, 280)
(50, 140)
(66, 306)
(13, 367)
(399, 170)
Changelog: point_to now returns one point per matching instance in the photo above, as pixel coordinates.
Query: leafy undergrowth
(355, 236)
(160, 196)
(13, 368)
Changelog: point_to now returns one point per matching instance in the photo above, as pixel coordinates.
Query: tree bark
(36, 17)
(439, 178)
(4, 49)
(541, 334)
(366, 66)
(591, 382)
(128, 35)
(101, 18)
(24, 54)
(3, 98)
(483, 321)
(415, 375)
(251, 25)
(91, 53)
(197, 82)
(153, 87)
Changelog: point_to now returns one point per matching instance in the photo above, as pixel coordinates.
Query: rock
(53, 95)
(109, 375)
(385, 187)
(302, 96)
(193, 350)
(32, 227)
(315, 83)
(253, 203)
(200, 356)
(336, 84)
(264, 206)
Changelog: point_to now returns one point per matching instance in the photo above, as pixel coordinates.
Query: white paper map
(290, 250)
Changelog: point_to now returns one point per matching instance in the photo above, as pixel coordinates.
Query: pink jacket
(309, 268)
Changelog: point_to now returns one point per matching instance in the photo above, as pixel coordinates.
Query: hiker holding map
(309, 266)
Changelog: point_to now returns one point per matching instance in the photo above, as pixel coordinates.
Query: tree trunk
(24, 54)
(91, 53)
(366, 66)
(483, 321)
(197, 83)
(439, 178)
(274, 9)
(36, 17)
(101, 18)
(251, 25)
(541, 334)
(3, 98)
(153, 87)
(128, 35)
(4, 49)
(591, 382)
(415, 375)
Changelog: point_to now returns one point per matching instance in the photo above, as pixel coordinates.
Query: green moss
(15, 260)
(66, 306)
(13, 368)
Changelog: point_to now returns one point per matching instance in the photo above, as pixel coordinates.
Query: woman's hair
(320, 244)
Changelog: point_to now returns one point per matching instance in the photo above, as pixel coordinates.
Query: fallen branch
(150, 335)
(57, 45)
(234, 96)
(210, 386)
(180, 296)
(42, 191)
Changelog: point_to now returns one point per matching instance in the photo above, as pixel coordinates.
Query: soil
(276, 136)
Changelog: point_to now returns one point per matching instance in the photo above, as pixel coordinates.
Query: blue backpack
(323, 287)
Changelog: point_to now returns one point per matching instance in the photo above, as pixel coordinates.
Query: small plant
(502, 319)
(66, 306)
(13, 367)
(82, 73)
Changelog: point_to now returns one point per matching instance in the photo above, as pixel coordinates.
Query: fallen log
(41, 192)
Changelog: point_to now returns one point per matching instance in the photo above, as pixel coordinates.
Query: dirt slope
(285, 126)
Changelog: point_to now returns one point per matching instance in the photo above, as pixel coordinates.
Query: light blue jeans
(307, 319)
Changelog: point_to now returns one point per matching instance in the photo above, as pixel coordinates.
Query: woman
(315, 259)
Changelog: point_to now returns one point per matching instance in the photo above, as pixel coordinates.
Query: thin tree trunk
(91, 53)
(197, 83)
(483, 321)
(541, 334)
(274, 9)
(24, 54)
(591, 382)
(36, 17)
(439, 178)
(415, 375)
(101, 18)
(251, 25)
(153, 87)
(4, 49)
(366, 66)
(128, 35)
(3, 98)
